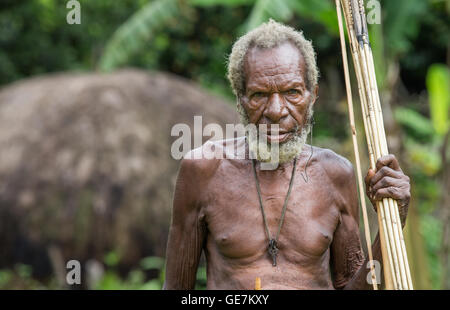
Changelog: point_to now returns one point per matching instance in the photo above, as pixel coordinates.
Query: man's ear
(316, 93)
(241, 110)
(240, 106)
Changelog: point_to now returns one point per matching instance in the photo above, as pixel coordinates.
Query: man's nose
(276, 108)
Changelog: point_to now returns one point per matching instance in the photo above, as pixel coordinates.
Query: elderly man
(294, 227)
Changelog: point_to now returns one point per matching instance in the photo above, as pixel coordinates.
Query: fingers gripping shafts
(395, 260)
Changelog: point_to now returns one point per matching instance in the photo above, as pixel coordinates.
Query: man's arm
(348, 266)
(187, 231)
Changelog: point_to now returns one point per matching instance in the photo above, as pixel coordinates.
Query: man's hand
(389, 181)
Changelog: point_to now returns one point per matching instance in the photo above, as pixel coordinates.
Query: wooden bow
(395, 261)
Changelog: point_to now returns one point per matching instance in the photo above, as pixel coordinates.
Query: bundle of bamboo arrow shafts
(395, 261)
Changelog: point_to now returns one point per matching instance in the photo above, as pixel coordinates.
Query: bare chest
(235, 223)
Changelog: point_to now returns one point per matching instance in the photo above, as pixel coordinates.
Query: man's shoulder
(341, 176)
(336, 166)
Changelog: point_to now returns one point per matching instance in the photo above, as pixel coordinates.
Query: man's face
(276, 91)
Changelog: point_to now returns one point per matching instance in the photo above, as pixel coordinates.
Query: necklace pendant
(273, 251)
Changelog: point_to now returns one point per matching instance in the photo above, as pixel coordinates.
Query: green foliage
(136, 32)
(322, 12)
(433, 236)
(228, 3)
(20, 277)
(405, 27)
(284, 10)
(152, 262)
(137, 278)
(111, 259)
(428, 131)
(265, 9)
(424, 158)
(401, 23)
(438, 84)
(35, 37)
(423, 144)
(420, 126)
(201, 278)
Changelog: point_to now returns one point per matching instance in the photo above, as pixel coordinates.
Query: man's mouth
(279, 137)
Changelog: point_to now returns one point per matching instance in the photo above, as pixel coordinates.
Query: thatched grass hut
(85, 165)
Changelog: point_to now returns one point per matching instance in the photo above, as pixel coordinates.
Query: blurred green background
(193, 38)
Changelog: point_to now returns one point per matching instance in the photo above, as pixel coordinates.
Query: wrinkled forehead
(282, 60)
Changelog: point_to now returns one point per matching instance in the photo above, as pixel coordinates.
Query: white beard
(262, 151)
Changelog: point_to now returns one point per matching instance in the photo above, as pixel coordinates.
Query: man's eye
(292, 92)
(257, 94)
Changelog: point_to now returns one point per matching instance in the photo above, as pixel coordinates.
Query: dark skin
(216, 209)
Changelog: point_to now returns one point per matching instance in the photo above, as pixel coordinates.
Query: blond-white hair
(269, 35)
